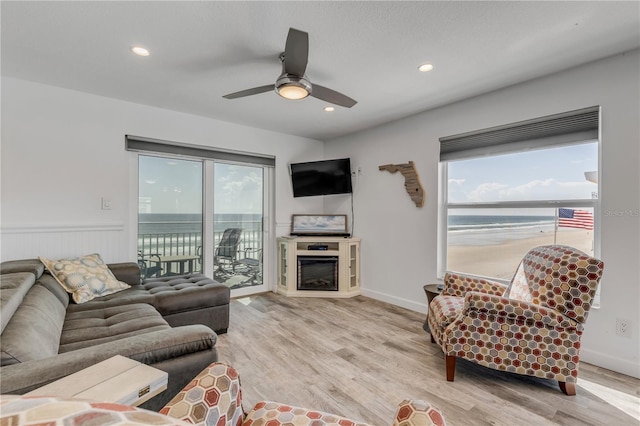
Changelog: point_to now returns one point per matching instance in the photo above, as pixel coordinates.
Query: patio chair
(149, 264)
(532, 326)
(226, 254)
(250, 265)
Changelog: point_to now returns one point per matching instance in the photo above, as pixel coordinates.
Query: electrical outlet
(623, 327)
(106, 203)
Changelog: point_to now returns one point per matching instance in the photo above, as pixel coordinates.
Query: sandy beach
(501, 259)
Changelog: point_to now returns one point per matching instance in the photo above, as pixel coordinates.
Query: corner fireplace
(319, 273)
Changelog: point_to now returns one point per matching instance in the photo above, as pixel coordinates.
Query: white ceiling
(370, 51)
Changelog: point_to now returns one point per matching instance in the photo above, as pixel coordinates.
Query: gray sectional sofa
(167, 323)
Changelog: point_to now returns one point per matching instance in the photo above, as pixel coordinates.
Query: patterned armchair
(212, 398)
(532, 326)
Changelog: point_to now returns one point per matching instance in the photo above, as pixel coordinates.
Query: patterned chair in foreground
(532, 326)
(212, 398)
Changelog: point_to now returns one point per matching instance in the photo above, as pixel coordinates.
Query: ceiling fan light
(293, 87)
(425, 67)
(292, 91)
(139, 50)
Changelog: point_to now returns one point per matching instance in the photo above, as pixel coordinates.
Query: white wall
(63, 150)
(399, 241)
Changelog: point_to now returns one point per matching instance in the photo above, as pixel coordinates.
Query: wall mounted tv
(321, 177)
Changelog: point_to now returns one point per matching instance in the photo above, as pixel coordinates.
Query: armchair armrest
(460, 284)
(516, 311)
(218, 389)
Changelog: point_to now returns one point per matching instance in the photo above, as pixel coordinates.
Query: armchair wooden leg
(432, 339)
(451, 367)
(568, 388)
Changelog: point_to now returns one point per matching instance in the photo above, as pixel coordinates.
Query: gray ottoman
(190, 299)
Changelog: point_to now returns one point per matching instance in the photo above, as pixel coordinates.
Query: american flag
(570, 218)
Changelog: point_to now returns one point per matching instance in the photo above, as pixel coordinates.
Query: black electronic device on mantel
(317, 247)
(325, 177)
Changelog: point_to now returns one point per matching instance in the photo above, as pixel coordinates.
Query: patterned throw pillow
(85, 277)
(519, 287)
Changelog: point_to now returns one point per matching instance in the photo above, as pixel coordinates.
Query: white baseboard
(609, 362)
(398, 301)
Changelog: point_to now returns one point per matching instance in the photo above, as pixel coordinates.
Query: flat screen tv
(325, 177)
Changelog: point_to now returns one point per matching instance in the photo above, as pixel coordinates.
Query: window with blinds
(507, 189)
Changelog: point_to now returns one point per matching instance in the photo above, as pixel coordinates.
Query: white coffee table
(117, 379)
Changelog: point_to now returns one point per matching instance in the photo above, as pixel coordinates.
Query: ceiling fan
(293, 83)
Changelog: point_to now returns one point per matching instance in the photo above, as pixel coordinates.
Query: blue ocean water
(462, 229)
(167, 223)
(152, 223)
(473, 222)
(494, 229)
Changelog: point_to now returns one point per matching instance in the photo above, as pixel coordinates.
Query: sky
(547, 174)
(175, 185)
(169, 185)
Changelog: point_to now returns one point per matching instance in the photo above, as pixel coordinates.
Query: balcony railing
(190, 243)
(153, 247)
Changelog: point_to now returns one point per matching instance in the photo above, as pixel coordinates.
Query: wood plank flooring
(360, 357)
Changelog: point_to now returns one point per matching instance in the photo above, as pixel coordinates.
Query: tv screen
(321, 177)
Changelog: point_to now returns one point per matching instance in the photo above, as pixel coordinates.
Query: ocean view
(493, 246)
(472, 222)
(180, 234)
(168, 223)
(463, 229)
(472, 230)
(489, 245)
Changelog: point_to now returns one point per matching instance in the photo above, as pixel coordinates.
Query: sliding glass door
(175, 194)
(238, 219)
(169, 216)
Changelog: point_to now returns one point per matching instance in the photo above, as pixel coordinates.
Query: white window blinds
(150, 146)
(559, 129)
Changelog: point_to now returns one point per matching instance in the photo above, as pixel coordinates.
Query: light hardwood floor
(359, 358)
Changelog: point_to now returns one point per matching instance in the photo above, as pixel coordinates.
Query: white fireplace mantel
(347, 250)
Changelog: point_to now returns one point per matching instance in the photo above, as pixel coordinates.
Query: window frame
(268, 199)
(444, 206)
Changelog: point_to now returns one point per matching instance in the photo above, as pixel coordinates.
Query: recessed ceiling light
(329, 109)
(425, 67)
(139, 50)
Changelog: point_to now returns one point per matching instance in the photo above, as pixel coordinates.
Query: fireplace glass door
(319, 273)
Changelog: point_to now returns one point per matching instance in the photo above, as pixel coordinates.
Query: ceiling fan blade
(249, 92)
(296, 52)
(326, 94)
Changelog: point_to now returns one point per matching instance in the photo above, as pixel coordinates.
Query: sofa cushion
(13, 288)
(134, 294)
(34, 329)
(86, 328)
(185, 293)
(84, 277)
(129, 272)
(33, 266)
(50, 283)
